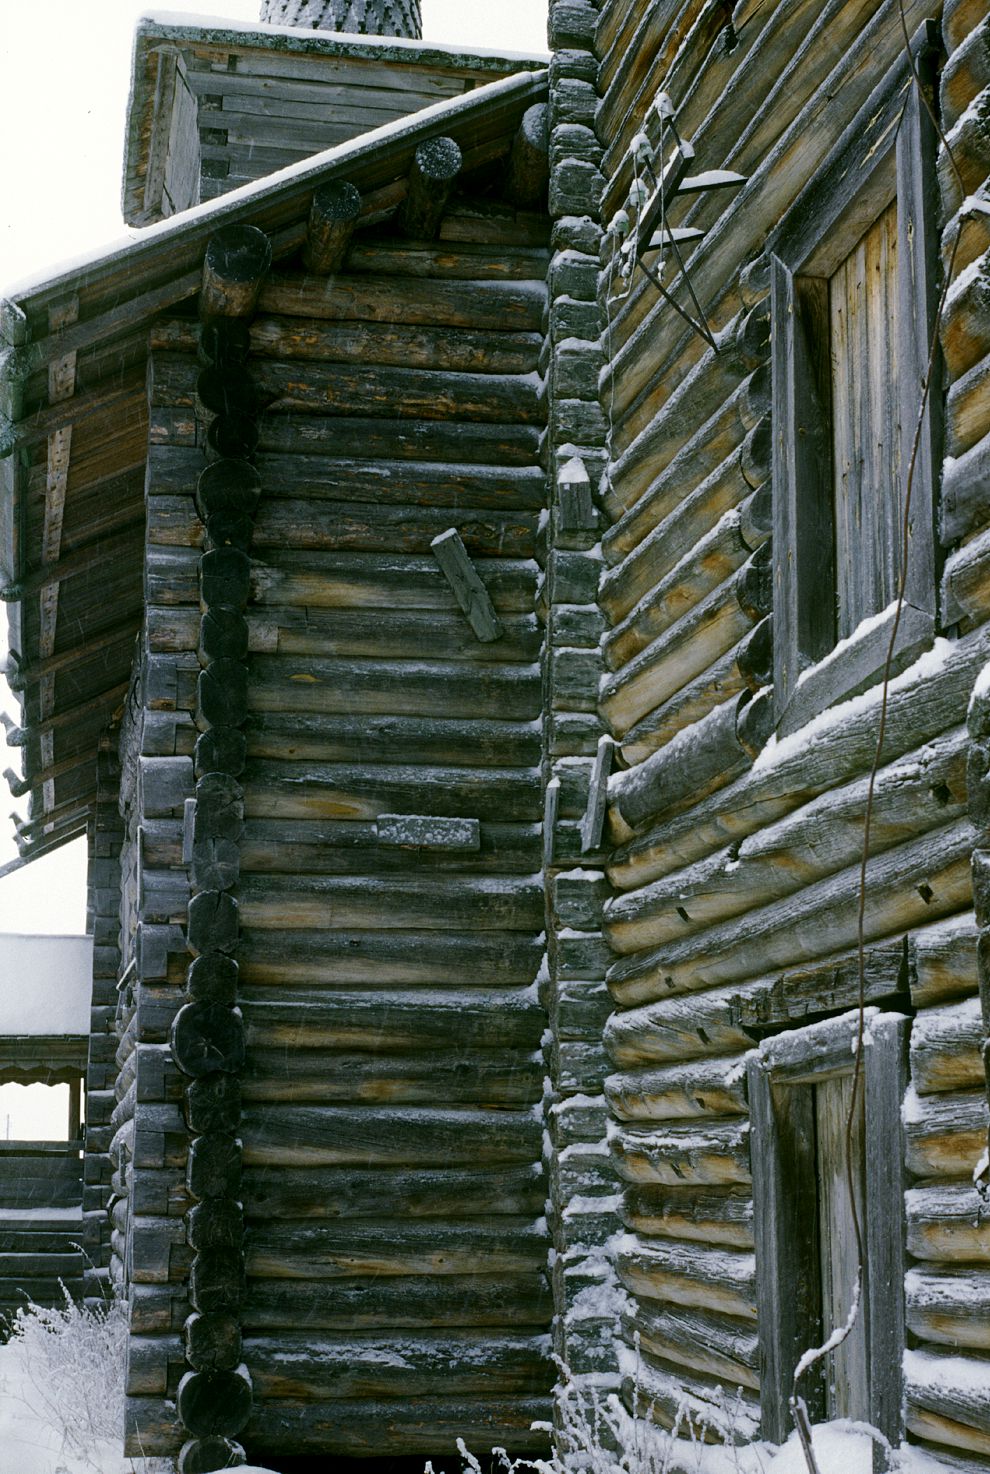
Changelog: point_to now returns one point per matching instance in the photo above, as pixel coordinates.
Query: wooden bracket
(469, 590)
(436, 165)
(236, 263)
(529, 161)
(417, 831)
(593, 823)
(332, 218)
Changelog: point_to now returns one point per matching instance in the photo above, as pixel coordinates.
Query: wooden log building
(452, 556)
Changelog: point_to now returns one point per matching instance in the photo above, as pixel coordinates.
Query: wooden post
(332, 217)
(75, 1109)
(529, 162)
(237, 259)
(435, 167)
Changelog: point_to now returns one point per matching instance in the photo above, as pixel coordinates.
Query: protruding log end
(332, 217)
(435, 167)
(204, 1455)
(237, 259)
(529, 161)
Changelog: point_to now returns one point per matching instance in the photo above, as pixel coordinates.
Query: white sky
(61, 143)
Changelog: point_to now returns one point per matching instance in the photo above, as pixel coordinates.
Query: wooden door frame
(780, 1077)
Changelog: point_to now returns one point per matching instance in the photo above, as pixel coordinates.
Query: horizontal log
(340, 847)
(945, 1048)
(924, 792)
(392, 1021)
(945, 1135)
(719, 1280)
(672, 538)
(698, 760)
(388, 688)
(485, 1076)
(400, 1137)
(715, 1345)
(420, 1426)
(747, 666)
(398, 1302)
(333, 903)
(716, 1154)
(949, 1306)
(515, 305)
(706, 1215)
(396, 739)
(681, 1027)
(718, 554)
(430, 1192)
(712, 1088)
(956, 1389)
(947, 1222)
(300, 790)
(905, 886)
(963, 330)
(369, 1366)
(792, 771)
(351, 580)
(961, 510)
(384, 958)
(673, 1399)
(943, 960)
(316, 1251)
(679, 655)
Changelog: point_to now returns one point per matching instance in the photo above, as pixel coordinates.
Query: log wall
(732, 856)
(385, 910)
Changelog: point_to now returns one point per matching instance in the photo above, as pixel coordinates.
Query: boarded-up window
(866, 430)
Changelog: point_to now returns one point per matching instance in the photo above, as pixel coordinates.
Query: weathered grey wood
(332, 217)
(785, 1223)
(707, 1215)
(713, 1088)
(469, 589)
(215, 1403)
(237, 259)
(528, 167)
(886, 1075)
(706, 1153)
(430, 1192)
(945, 1134)
(436, 165)
(577, 510)
(593, 822)
(947, 1222)
(398, 1302)
(945, 1048)
(320, 1252)
(949, 1305)
(418, 832)
(310, 1136)
(715, 1345)
(715, 1279)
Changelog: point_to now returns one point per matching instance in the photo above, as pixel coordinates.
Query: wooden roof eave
(115, 295)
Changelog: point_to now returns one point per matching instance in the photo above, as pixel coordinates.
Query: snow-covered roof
(46, 985)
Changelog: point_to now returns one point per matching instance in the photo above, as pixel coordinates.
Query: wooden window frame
(889, 152)
(780, 1077)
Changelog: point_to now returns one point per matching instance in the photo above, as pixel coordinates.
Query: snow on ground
(27, 1442)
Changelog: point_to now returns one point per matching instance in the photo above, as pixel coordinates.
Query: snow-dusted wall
(731, 849)
(384, 915)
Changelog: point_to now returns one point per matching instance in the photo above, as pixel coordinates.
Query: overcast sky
(64, 76)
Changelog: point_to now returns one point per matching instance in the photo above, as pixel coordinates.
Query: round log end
(206, 1455)
(233, 435)
(213, 978)
(216, 1281)
(213, 1104)
(335, 203)
(208, 1039)
(217, 1224)
(439, 160)
(221, 750)
(239, 253)
(214, 1167)
(215, 1404)
(214, 923)
(212, 1342)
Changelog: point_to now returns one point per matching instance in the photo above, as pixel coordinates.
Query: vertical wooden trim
(803, 534)
(785, 1225)
(886, 1082)
(917, 288)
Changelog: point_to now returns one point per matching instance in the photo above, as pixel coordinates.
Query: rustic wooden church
(476, 561)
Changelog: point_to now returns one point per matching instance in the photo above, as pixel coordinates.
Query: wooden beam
(529, 164)
(236, 263)
(332, 217)
(436, 165)
(469, 590)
